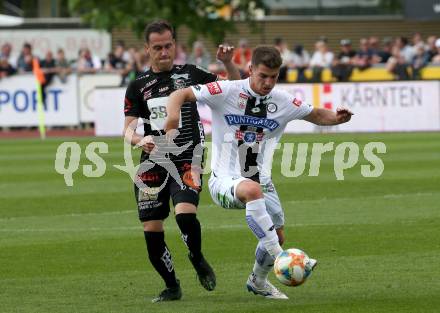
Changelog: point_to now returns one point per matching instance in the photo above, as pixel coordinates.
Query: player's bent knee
(185, 207)
(249, 190)
(153, 226)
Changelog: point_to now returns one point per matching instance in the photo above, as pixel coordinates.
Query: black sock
(160, 257)
(191, 233)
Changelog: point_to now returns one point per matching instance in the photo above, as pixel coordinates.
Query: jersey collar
(247, 86)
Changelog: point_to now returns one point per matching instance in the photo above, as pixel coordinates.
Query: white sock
(262, 226)
(263, 265)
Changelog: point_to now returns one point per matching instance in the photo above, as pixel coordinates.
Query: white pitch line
(387, 196)
(103, 229)
(175, 228)
(133, 211)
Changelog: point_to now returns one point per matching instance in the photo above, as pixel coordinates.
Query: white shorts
(222, 190)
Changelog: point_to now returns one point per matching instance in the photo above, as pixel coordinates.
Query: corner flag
(40, 80)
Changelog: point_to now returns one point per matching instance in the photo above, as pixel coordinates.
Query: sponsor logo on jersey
(180, 76)
(249, 136)
(214, 88)
(149, 84)
(179, 80)
(149, 194)
(255, 110)
(149, 177)
(242, 100)
(297, 102)
(233, 119)
(179, 84)
(148, 205)
(201, 133)
(143, 76)
(164, 89)
(147, 94)
(272, 107)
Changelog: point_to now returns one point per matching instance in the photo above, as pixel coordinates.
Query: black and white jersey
(246, 127)
(147, 96)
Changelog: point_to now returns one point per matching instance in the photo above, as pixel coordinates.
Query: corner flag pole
(39, 80)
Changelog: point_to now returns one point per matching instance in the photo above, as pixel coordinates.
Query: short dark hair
(268, 56)
(160, 27)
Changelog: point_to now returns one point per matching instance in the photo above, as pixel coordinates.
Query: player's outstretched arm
(174, 104)
(327, 117)
(225, 54)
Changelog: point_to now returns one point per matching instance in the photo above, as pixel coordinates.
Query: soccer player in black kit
(146, 98)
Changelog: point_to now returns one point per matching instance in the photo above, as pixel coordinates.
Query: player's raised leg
(258, 220)
(261, 224)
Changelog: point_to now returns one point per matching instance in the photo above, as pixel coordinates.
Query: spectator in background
(139, 65)
(419, 61)
(436, 58)
(282, 47)
(242, 57)
(181, 55)
(6, 68)
(115, 62)
(432, 49)
(142, 62)
(374, 45)
(24, 61)
(397, 64)
(88, 63)
(321, 59)
(286, 56)
(343, 64)
(417, 40)
(122, 51)
(48, 66)
(364, 55)
(300, 62)
(385, 53)
(5, 53)
(406, 50)
(62, 65)
(199, 55)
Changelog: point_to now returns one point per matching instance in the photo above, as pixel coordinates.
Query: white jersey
(246, 127)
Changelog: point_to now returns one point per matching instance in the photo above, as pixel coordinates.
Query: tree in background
(212, 19)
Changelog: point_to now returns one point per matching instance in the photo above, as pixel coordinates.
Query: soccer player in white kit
(248, 119)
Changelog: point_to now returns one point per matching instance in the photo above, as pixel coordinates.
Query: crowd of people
(126, 62)
(402, 57)
(399, 56)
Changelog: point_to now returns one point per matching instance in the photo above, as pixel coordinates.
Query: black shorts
(153, 201)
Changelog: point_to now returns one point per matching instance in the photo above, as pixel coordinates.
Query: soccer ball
(292, 267)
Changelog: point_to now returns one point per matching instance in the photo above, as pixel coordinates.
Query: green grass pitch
(81, 248)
